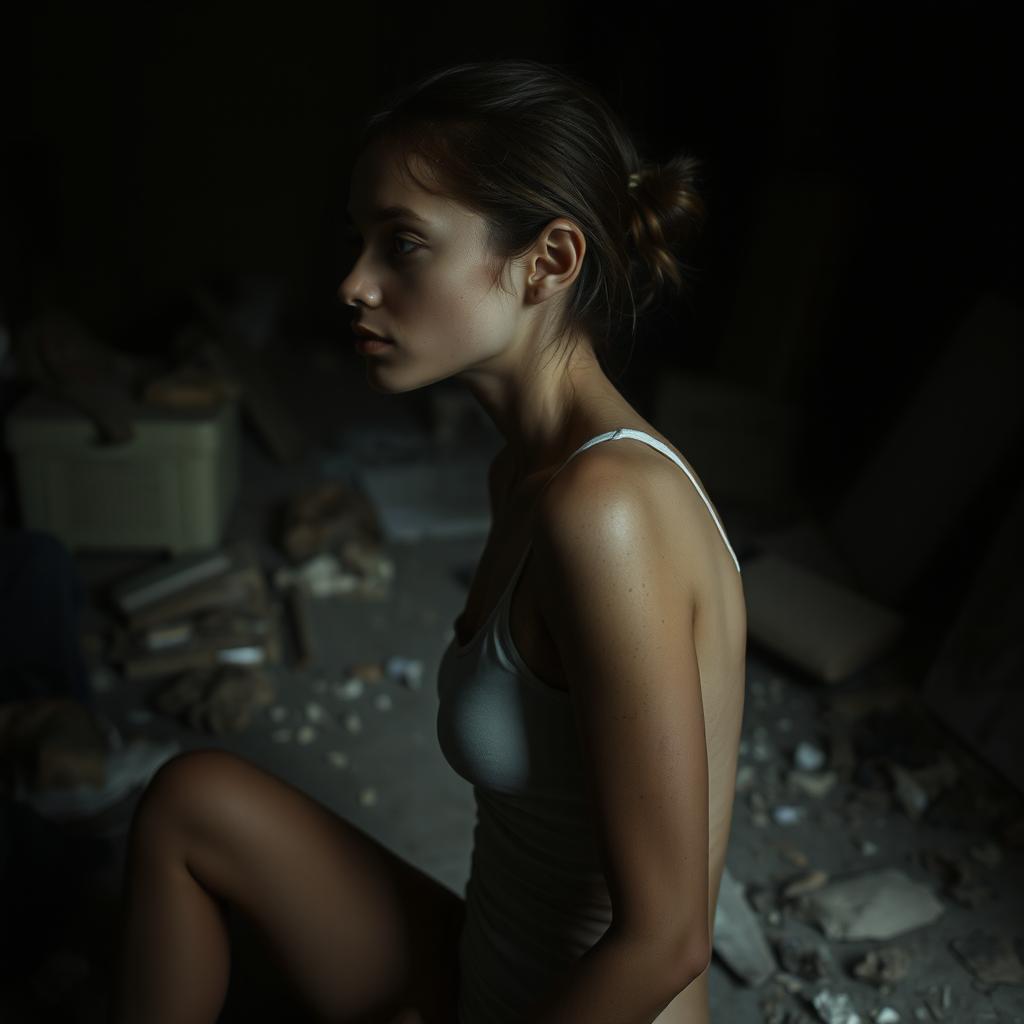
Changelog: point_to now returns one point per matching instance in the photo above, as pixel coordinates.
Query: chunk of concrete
(738, 938)
(877, 905)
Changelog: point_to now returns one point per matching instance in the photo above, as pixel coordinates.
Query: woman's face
(423, 283)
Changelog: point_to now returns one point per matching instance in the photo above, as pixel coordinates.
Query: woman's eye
(355, 241)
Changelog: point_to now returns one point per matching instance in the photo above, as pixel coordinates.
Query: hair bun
(669, 218)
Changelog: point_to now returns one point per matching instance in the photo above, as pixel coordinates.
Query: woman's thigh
(360, 932)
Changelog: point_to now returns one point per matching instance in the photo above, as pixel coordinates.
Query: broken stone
(368, 796)
(808, 758)
(813, 785)
(911, 794)
(305, 735)
(408, 671)
(738, 938)
(876, 905)
(883, 966)
(278, 713)
(220, 702)
(369, 671)
(804, 884)
(786, 814)
(350, 689)
(886, 1015)
(353, 722)
(383, 702)
(868, 848)
(991, 958)
(792, 854)
(744, 778)
(793, 985)
(835, 1008)
(337, 758)
(315, 712)
(774, 1006)
(803, 959)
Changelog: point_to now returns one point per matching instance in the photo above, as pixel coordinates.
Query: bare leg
(173, 955)
(363, 935)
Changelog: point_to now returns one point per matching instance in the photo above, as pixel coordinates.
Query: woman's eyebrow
(380, 215)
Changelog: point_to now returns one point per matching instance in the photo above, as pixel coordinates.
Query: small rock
(338, 758)
(911, 794)
(350, 689)
(805, 884)
(883, 966)
(808, 758)
(886, 1015)
(744, 778)
(835, 1008)
(368, 796)
(315, 712)
(786, 814)
(305, 734)
(813, 785)
(803, 959)
(320, 686)
(876, 905)
(868, 848)
(368, 671)
(353, 722)
(408, 671)
(383, 702)
(283, 735)
(784, 724)
(792, 854)
(278, 713)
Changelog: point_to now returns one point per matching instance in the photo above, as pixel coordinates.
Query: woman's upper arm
(621, 614)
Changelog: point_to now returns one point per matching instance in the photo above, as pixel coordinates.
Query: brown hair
(521, 143)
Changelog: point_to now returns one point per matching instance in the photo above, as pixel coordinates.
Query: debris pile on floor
(856, 933)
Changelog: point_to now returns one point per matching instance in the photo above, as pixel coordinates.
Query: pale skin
(362, 935)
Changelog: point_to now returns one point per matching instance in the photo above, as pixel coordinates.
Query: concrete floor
(424, 812)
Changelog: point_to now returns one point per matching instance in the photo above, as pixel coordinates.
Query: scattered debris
(835, 1008)
(806, 960)
(220, 702)
(991, 958)
(809, 758)
(883, 966)
(804, 884)
(877, 905)
(786, 814)
(816, 785)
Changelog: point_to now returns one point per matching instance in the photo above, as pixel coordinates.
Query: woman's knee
(186, 790)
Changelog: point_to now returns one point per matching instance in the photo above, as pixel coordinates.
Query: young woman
(593, 691)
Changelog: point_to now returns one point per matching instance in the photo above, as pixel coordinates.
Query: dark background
(198, 142)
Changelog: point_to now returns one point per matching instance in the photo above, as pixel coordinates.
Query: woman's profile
(506, 234)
